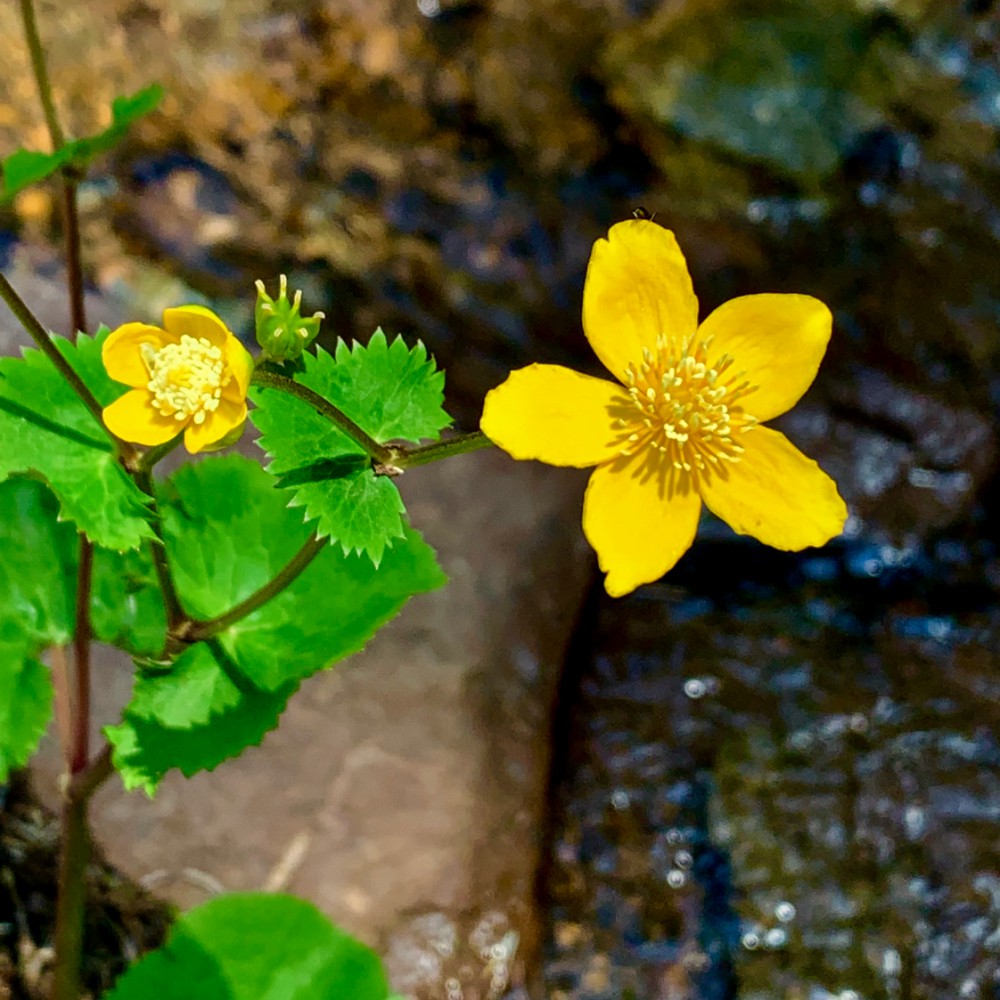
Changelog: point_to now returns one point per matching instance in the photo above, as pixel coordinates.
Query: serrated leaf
(25, 701)
(391, 392)
(46, 429)
(191, 717)
(254, 946)
(227, 532)
(25, 167)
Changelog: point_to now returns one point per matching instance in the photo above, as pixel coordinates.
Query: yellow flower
(683, 425)
(192, 377)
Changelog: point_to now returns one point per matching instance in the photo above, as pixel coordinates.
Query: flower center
(186, 379)
(689, 409)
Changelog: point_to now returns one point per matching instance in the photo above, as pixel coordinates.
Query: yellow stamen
(678, 393)
(186, 379)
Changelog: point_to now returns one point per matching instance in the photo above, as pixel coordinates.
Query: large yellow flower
(191, 376)
(683, 425)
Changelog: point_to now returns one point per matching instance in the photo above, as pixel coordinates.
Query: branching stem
(197, 631)
(271, 380)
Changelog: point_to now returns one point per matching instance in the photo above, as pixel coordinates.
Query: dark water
(781, 777)
(783, 780)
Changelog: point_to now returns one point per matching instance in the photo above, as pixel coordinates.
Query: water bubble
(776, 937)
(695, 688)
(785, 912)
(683, 859)
(674, 836)
(751, 940)
(676, 878)
(429, 8)
(848, 995)
(892, 964)
(620, 799)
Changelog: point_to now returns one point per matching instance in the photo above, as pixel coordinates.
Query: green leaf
(37, 584)
(126, 608)
(25, 701)
(253, 946)
(37, 565)
(227, 532)
(391, 392)
(191, 717)
(46, 429)
(25, 167)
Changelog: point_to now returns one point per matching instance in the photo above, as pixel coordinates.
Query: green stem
(271, 380)
(171, 601)
(149, 458)
(47, 346)
(213, 626)
(41, 73)
(406, 457)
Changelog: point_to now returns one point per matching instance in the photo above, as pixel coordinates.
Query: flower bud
(282, 333)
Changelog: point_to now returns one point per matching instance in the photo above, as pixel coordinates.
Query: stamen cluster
(186, 379)
(687, 406)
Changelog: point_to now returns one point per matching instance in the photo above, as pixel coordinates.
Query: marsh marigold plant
(190, 376)
(682, 425)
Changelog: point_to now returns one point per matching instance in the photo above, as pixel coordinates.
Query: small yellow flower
(191, 376)
(683, 425)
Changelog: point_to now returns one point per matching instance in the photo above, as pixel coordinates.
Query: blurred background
(774, 777)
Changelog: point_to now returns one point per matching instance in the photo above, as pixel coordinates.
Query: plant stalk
(171, 600)
(406, 456)
(198, 631)
(271, 380)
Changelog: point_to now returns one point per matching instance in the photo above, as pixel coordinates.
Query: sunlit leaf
(25, 167)
(393, 393)
(253, 946)
(228, 532)
(47, 430)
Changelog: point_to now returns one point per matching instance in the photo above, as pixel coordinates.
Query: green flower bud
(282, 333)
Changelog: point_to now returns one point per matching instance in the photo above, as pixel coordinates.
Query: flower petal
(215, 426)
(776, 494)
(121, 353)
(133, 418)
(198, 322)
(778, 340)
(555, 415)
(240, 365)
(637, 288)
(640, 517)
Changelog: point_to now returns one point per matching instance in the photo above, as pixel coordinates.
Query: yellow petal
(215, 426)
(778, 340)
(241, 366)
(640, 517)
(198, 322)
(122, 356)
(133, 418)
(776, 494)
(637, 288)
(556, 415)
